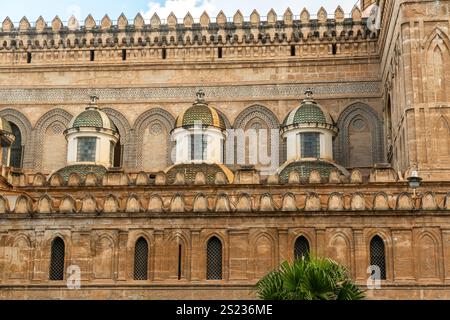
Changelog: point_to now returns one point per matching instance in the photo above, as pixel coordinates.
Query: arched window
(16, 147)
(301, 247)
(57, 260)
(378, 255)
(214, 259)
(117, 155)
(141, 260)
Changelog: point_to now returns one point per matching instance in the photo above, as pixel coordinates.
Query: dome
(305, 167)
(200, 112)
(92, 117)
(309, 113)
(5, 126)
(190, 171)
(82, 171)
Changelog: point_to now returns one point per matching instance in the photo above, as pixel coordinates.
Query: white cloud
(196, 7)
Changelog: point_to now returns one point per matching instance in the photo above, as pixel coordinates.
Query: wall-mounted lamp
(414, 182)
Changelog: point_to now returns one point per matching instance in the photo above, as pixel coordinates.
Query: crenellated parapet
(271, 36)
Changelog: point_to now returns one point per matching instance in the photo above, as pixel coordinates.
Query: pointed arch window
(214, 259)
(141, 260)
(16, 147)
(378, 255)
(57, 260)
(301, 247)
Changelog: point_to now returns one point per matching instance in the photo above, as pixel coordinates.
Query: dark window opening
(301, 248)
(164, 53)
(180, 256)
(214, 259)
(57, 260)
(220, 53)
(310, 145)
(141, 260)
(117, 163)
(124, 54)
(293, 51)
(92, 55)
(16, 147)
(29, 57)
(378, 257)
(334, 48)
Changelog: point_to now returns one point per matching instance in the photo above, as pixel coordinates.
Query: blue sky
(16, 9)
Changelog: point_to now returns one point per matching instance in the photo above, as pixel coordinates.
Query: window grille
(141, 260)
(57, 260)
(214, 259)
(378, 255)
(86, 149)
(301, 248)
(310, 143)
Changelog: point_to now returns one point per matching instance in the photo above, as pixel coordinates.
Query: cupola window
(86, 149)
(310, 145)
(198, 146)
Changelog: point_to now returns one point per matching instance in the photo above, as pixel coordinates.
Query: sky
(32, 9)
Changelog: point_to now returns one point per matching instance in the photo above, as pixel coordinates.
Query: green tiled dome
(307, 113)
(82, 171)
(304, 169)
(191, 170)
(201, 113)
(92, 117)
(5, 126)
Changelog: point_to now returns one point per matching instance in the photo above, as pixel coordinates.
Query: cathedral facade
(187, 158)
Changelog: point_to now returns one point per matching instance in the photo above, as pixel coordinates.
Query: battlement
(204, 39)
(205, 30)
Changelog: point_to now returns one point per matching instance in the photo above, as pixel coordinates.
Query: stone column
(39, 274)
(160, 272)
(360, 256)
(196, 255)
(122, 266)
(239, 254)
(320, 243)
(283, 246)
(81, 253)
(2, 256)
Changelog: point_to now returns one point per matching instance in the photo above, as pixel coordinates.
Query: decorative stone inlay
(156, 129)
(78, 95)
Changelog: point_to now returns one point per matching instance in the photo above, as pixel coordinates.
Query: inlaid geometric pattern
(202, 114)
(82, 171)
(145, 94)
(88, 118)
(191, 170)
(304, 169)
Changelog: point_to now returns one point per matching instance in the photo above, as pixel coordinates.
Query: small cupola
(309, 131)
(6, 140)
(199, 134)
(91, 137)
